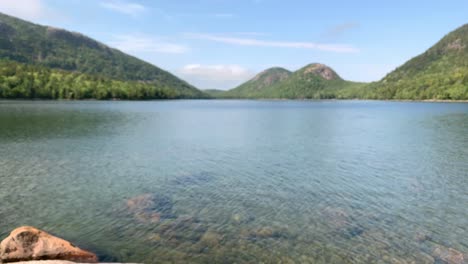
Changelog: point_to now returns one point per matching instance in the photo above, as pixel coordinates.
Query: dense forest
(26, 81)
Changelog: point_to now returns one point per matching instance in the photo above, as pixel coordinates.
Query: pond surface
(240, 181)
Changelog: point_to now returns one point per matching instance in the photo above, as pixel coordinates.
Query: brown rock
(422, 236)
(323, 70)
(211, 239)
(150, 208)
(151, 217)
(264, 232)
(448, 255)
(141, 202)
(28, 243)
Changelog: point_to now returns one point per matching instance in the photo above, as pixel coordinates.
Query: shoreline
(237, 99)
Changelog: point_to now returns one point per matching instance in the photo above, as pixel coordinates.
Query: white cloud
(342, 48)
(127, 8)
(25, 9)
(217, 72)
(221, 76)
(138, 43)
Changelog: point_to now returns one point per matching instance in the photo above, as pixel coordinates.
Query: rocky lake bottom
(240, 181)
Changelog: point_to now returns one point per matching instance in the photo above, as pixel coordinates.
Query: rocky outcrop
(456, 45)
(57, 262)
(322, 70)
(28, 243)
(45, 262)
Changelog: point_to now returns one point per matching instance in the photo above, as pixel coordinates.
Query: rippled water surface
(239, 181)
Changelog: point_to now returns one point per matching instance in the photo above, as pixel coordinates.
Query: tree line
(27, 81)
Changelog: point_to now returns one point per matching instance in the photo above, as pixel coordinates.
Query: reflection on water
(240, 181)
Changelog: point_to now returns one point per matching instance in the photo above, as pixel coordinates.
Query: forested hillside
(26, 81)
(314, 81)
(57, 49)
(439, 73)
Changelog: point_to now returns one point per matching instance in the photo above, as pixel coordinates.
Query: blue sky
(222, 43)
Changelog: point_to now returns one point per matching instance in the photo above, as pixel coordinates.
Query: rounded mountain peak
(271, 76)
(322, 70)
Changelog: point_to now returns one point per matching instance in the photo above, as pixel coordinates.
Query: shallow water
(239, 181)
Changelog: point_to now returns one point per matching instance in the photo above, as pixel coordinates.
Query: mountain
(314, 81)
(439, 73)
(57, 49)
(255, 87)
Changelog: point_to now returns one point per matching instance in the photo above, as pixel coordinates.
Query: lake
(239, 181)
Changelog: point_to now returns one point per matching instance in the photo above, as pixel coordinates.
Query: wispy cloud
(127, 8)
(339, 30)
(139, 43)
(26, 9)
(342, 48)
(215, 76)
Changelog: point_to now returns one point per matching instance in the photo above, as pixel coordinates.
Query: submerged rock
(183, 228)
(422, 236)
(449, 255)
(263, 232)
(336, 217)
(28, 243)
(342, 223)
(211, 239)
(150, 208)
(242, 218)
(269, 232)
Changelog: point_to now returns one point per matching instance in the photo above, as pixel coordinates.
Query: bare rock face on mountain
(28, 243)
(456, 45)
(322, 70)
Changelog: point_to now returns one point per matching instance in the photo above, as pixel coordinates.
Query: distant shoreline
(235, 99)
(355, 99)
